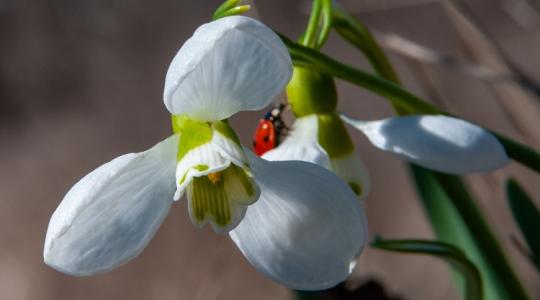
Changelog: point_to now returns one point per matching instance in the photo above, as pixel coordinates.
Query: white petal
(440, 143)
(229, 65)
(306, 229)
(110, 215)
(354, 172)
(301, 144)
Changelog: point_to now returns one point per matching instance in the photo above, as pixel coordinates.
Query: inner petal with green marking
(213, 170)
(221, 198)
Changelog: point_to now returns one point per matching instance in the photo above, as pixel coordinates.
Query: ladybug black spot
(254, 144)
(266, 138)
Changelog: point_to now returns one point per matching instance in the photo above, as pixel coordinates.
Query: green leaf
(458, 220)
(451, 254)
(527, 217)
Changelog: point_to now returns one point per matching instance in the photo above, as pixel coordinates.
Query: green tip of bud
(310, 92)
(356, 188)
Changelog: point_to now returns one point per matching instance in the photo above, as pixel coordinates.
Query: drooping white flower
(227, 66)
(318, 135)
(111, 214)
(322, 139)
(437, 142)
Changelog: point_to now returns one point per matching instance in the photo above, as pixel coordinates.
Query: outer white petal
(110, 215)
(229, 65)
(306, 229)
(301, 144)
(440, 143)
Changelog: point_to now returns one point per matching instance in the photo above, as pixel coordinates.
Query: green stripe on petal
(221, 198)
(333, 135)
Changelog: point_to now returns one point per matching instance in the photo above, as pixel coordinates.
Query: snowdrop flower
(437, 142)
(318, 135)
(111, 214)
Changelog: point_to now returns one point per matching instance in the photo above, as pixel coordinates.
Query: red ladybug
(268, 133)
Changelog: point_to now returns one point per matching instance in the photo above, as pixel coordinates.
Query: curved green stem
(326, 23)
(313, 59)
(451, 254)
(309, 38)
(358, 35)
(399, 97)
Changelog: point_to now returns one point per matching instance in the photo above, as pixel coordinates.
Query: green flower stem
(520, 152)
(313, 59)
(326, 22)
(406, 101)
(358, 35)
(225, 6)
(238, 10)
(451, 254)
(310, 35)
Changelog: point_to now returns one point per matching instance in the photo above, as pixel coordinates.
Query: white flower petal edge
(110, 215)
(306, 229)
(440, 143)
(229, 65)
(301, 144)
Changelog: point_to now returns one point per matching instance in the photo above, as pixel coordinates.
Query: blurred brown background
(81, 83)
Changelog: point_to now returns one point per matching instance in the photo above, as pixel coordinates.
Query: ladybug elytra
(268, 133)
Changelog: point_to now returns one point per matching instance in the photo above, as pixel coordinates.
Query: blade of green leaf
(527, 217)
(451, 254)
(449, 227)
(225, 6)
(485, 240)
